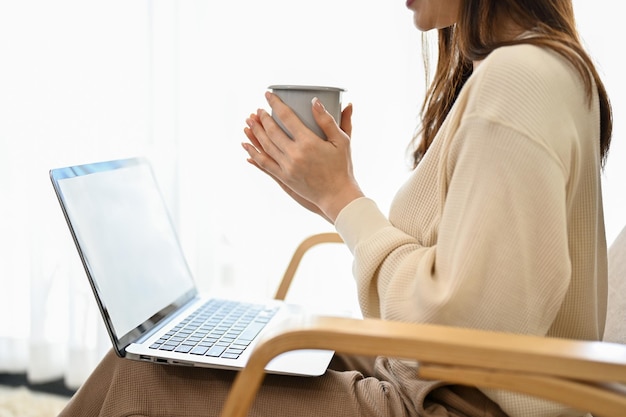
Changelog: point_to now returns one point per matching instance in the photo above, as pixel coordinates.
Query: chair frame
(586, 375)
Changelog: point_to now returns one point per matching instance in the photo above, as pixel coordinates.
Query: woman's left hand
(315, 172)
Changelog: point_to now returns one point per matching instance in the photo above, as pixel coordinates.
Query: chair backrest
(615, 330)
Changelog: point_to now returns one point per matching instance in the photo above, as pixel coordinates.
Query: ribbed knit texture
(615, 324)
(500, 227)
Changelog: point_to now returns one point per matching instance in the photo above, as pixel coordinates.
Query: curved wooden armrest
(306, 244)
(572, 372)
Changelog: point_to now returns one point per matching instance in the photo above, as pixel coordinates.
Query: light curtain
(82, 81)
(77, 84)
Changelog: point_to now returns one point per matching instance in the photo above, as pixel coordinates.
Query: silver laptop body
(142, 283)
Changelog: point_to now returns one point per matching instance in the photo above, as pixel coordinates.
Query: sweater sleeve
(500, 258)
(370, 237)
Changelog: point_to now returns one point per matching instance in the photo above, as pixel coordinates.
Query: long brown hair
(475, 36)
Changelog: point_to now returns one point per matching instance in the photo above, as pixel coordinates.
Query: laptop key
(167, 347)
(183, 348)
(230, 356)
(251, 331)
(199, 350)
(215, 351)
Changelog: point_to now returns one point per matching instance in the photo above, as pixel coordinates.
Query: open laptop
(142, 283)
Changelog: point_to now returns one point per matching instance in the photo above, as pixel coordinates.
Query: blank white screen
(125, 234)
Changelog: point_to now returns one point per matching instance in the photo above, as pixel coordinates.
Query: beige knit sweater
(500, 226)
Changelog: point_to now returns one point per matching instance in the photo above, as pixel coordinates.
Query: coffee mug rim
(304, 87)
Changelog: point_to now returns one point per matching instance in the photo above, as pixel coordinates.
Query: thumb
(346, 120)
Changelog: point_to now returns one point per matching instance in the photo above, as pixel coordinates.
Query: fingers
(325, 120)
(256, 151)
(250, 134)
(346, 120)
(255, 142)
(261, 135)
(285, 114)
(256, 155)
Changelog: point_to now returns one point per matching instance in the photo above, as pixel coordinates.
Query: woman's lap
(354, 386)
(120, 387)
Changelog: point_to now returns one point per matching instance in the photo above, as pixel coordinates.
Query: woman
(499, 227)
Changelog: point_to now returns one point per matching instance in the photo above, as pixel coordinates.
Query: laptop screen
(126, 240)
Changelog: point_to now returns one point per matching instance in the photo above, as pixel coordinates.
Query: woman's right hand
(346, 127)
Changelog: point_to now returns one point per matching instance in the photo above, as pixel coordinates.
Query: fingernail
(317, 105)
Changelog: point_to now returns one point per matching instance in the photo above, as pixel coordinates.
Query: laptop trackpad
(301, 362)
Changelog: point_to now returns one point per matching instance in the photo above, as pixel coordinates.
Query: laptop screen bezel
(120, 342)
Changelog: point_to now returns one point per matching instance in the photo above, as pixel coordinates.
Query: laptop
(143, 286)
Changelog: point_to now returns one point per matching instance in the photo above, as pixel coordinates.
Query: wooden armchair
(582, 374)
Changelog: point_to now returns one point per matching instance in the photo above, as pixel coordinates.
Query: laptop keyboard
(218, 328)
